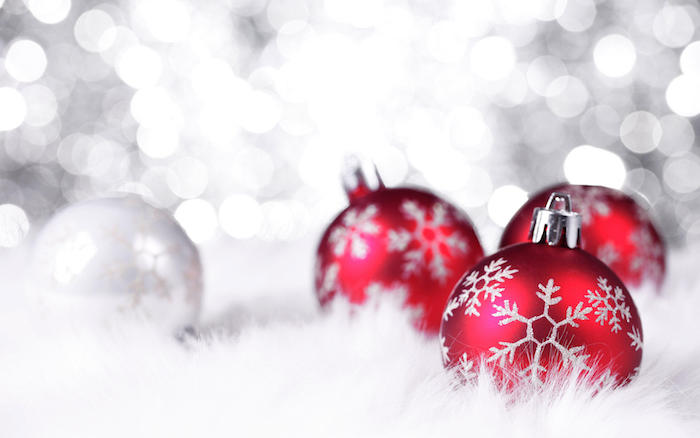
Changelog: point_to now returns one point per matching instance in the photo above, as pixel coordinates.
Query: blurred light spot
(469, 132)
(446, 42)
(14, 225)
(504, 202)
(478, 187)
(683, 95)
(492, 58)
(445, 168)
(681, 173)
(25, 60)
(690, 59)
(578, 15)
(139, 66)
(548, 10)
(542, 71)
(260, 112)
(188, 177)
(158, 141)
(166, 20)
(640, 132)
(358, 13)
(283, 220)
(41, 105)
(252, 168)
(240, 216)
(94, 30)
(673, 26)
(280, 12)
(475, 18)
(198, 218)
(594, 166)
(154, 106)
(49, 11)
(614, 55)
(567, 96)
(13, 108)
(677, 135)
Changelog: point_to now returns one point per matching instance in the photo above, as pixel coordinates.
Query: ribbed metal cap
(556, 224)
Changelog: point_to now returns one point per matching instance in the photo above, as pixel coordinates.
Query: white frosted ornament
(116, 257)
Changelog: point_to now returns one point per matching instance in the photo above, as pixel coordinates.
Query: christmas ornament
(615, 228)
(115, 256)
(541, 307)
(395, 240)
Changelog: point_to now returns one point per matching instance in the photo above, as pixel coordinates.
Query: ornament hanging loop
(556, 224)
(360, 177)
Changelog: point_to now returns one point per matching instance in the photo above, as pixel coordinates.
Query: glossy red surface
(530, 309)
(615, 229)
(402, 241)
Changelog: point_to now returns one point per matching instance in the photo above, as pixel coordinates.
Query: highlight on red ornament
(403, 241)
(616, 229)
(543, 307)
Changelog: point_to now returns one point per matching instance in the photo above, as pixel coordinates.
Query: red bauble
(532, 308)
(396, 240)
(615, 229)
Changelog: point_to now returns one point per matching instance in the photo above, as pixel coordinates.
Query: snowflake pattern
(356, 223)
(444, 349)
(610, 305)
(574, 356)
(589, 201)
(636, 337)
(608, 254)
(466, 367)
(327, 279)
(429, 236)
(481, 286)
(647, 255)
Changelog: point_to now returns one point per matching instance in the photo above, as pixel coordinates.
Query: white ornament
(118, 256)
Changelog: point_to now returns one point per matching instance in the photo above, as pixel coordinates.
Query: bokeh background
(236, 115)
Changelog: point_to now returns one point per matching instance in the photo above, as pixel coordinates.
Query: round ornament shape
(113, 257)
(404, 241)
(615, 229)
(536, 310)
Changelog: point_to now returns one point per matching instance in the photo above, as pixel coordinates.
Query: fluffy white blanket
(269, 364)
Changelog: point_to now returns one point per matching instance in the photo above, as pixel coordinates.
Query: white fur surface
(269, 364)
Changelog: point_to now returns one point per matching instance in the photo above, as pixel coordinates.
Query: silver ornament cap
(360, 177)
(556, 224)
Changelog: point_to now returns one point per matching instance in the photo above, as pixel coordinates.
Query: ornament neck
(556, 224)
(360, 178)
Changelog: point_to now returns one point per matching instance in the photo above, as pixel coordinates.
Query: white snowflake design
(481, 286)
(377, 290)
(647, 254)
(572, 356)
(328, 279)
(414, 259)
(589, 201)
(355, 224)
(608, 254)
(636, 337)
(610, 305)
(444, 349)
(466, 367)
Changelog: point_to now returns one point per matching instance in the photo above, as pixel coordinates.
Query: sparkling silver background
(236, 114)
